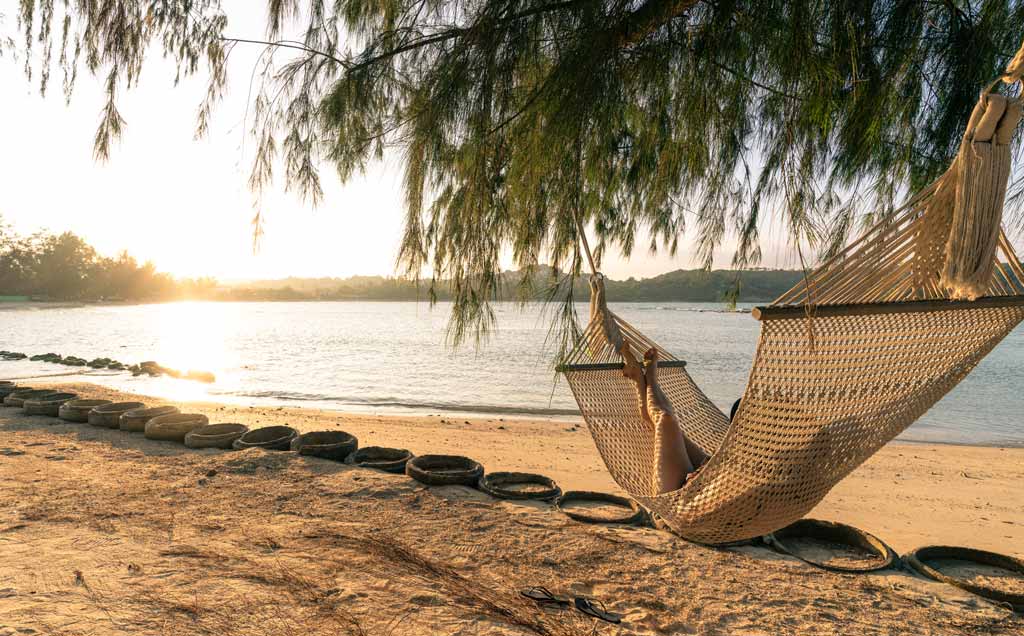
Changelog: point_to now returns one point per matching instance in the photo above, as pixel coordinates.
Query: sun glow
(195, 336)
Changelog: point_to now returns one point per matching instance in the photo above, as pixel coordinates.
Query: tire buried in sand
(634, 517)
(918, 560)
(215, 435)
(335, 445)
(174, 427)
(445, 470)
(501, 486)
(268, 438)
(8, 387)
(838, 538)
(390, 460)
(109, 415)
(17, 399)
(134, 421)
(78, 410)
(49, 406)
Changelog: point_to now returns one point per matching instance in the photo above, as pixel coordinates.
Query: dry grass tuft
(465, 594)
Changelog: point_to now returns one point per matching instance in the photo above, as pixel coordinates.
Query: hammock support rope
(900, 317)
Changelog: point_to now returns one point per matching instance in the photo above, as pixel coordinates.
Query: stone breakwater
(149, 367)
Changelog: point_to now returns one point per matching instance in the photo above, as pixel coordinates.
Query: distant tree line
(64, 267)
(754, 285)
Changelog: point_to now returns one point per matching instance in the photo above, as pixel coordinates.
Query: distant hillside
(678, 286)
(701, 286)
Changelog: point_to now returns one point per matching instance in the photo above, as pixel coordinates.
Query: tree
(522, 121)
(65, 266)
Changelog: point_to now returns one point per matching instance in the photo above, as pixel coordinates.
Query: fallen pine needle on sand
(104, 532)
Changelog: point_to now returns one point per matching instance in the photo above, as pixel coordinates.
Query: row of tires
(167, 423)
(194, 430)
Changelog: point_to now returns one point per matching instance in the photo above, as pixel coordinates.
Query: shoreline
(400, 411)
(977, 487)
(77, 304)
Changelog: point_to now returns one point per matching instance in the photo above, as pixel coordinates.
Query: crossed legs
(675, 457)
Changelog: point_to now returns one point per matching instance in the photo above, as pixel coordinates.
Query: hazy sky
(184, 204)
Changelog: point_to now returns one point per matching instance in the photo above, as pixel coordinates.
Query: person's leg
(631, 369)
(673, 461)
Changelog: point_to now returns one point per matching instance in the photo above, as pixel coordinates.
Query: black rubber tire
(174, 427)
(10, 387)
(109, 415)
(334, 445)
(48, 406)
(17, 399)
(278, 438)
(636, 517)
(885, 557)
(135, 421)
(492, 484)
(78, 410)
(215, 435)
(444, 470)
(918, 559)
(389, 460)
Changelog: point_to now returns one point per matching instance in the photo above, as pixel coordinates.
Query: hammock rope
(901, 316)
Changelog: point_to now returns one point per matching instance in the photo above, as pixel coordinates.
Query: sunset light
(511, 317)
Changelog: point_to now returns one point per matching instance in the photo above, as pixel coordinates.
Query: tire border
(836, 533)
(917, 559)
(636, 517)
(491, 483)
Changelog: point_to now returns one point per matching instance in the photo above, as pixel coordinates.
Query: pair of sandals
(591, 607)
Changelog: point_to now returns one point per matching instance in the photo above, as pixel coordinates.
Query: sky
(184, 204)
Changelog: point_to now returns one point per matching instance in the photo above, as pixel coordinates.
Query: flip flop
(543, 596)
(595, 608)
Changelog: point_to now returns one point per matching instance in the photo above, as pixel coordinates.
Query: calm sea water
(387, 357)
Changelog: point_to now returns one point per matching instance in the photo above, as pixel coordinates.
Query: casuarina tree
(521, 122)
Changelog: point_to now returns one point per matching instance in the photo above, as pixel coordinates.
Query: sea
(395, 357)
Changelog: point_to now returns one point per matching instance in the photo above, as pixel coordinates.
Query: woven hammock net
(847, 360)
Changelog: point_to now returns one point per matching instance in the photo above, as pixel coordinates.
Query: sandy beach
(103, 532)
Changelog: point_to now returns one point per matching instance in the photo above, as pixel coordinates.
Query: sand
(103, 532)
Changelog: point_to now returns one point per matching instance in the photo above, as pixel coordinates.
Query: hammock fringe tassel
(979, 176)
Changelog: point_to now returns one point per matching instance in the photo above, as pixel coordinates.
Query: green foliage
(65, 267)
(520, 121)
(677, 286)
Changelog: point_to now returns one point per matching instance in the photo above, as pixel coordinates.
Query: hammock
(847, 359)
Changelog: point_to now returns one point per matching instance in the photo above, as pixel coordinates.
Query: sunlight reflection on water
(373, 357)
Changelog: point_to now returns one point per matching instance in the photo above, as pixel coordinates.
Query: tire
(389, 460)
(174, 427)
(49, 406)
(277, 438)
(444, 470)
(7, 387)
(918, 559)
(109, 415)
(215, 435)
(78, 410)
(494, 484)
(781, 541)
(635, 517)
(17, 399)
(333, 445)
(134, 421)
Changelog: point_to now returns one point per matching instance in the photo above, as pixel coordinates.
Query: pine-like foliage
(520, 120)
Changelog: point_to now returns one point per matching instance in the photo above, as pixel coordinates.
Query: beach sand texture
(104, 532)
